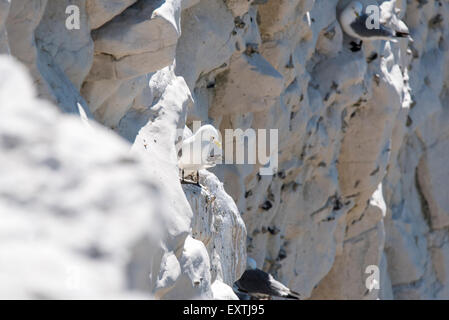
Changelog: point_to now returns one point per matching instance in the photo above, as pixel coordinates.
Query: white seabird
(262, 285)
(354, 22)
(199, 151)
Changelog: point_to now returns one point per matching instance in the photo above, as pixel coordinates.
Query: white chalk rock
(101, 11)
(217, 223)
(70, 229)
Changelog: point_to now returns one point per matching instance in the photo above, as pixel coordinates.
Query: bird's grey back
(359, 27)
(258, 281)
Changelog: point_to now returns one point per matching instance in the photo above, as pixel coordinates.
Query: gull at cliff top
(357, 24)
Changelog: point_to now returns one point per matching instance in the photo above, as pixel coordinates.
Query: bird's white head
(356, 8)
(209, 133)
(251, 264)
(350, 13)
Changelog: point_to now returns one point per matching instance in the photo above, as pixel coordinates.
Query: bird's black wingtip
(294, 295)
(402, 34)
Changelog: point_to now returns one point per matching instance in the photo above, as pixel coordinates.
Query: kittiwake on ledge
(261, 285)
(357, 24)
(199, 151)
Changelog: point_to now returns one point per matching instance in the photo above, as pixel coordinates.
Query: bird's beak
(217, 143)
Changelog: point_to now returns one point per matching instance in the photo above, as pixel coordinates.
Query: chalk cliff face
(90, 190)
